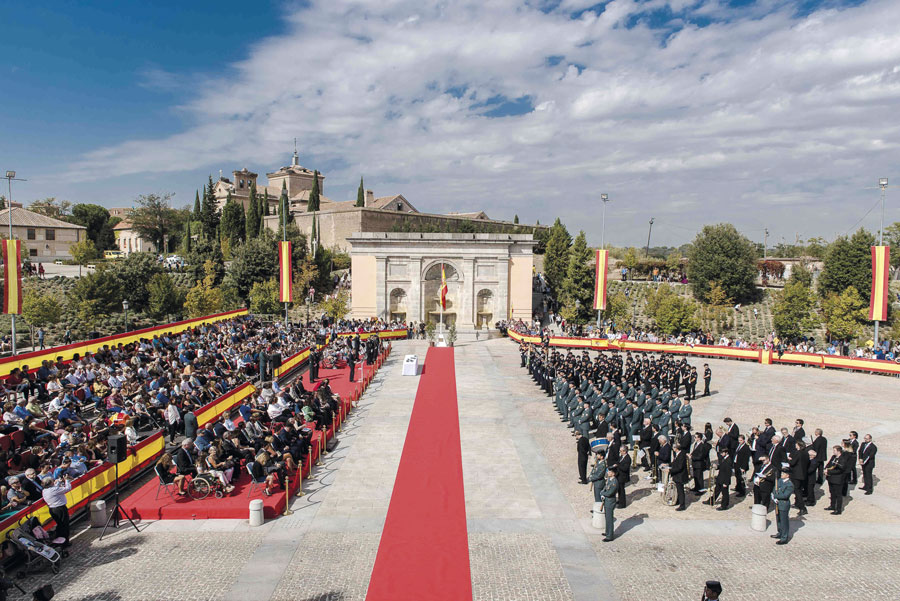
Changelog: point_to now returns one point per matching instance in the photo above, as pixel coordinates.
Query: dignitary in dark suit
(699, 458)
(723, 479)
(799, 464)
(623, 475)
(584, 450)
(783, 491)
(811, 471)
(764, 483)
(867, 453)
(820, 446)
(352, 358)
(679, 474)
(741, 466)
(836, 474)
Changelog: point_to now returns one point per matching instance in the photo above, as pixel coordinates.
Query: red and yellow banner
(600, 280)
(443, 288)
(878, 304)
(12, 277)
(286, 285)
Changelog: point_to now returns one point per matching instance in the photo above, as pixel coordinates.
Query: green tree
(516, 219)
(721, 254)
(793, 312)
(717, 296)
(578, 285)
(209, 212)
(556, 257)
(800, 273)
(254, 261)
(816, 247)
(133, 274)
(205, 298)
(186, 239)
(265, 209)
(197, 211)
(845, 313)
(892, 239)
(264, 298)
(164, 297)
(2, 202)
(50, 207)
(40, 309)
(336, 306)
(848, 262)
(283, 208)
(671, 312)
(630, 259)
(154, 219)
(83, 252)
(96, 219)
(101, 292)
(361, 194)
(313, 204)
(617, 309)
(203, 250)
(252, 220)
(233, 221)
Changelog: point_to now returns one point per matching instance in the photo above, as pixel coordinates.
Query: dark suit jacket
(584, 447)
(679, 470)
(725, 471)
(623, 469)
(835, 470)
(799, 464)
(820, 446)
(184, 461)
(742, 457)
(867, 454)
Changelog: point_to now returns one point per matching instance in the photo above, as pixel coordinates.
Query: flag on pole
(12, 277)
(600, 280)
(878, 304)
(443, 288)
(286, 286)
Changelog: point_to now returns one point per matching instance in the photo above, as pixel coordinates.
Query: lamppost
(10, 176)
(883, 184)
(605, 199)
(647, 252)
(125, 306)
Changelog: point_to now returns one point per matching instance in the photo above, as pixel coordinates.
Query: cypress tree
(209, 213)
(252, 222)
(263, 211)
(313, 204)
(516, 220)
(187, 236)
(361, 194)
(313, 234)
(282, 208)
(196, 215)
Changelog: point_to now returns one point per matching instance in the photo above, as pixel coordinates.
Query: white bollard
(256, 512)
(98, 514)
(758, 519)
(598, 520)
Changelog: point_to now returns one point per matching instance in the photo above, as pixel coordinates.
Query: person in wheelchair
(218, 463)
(210, 474)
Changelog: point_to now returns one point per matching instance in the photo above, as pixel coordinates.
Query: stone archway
(431, 285)
(484, 311)
(397, 309)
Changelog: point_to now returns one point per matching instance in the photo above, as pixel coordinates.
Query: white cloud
(731, 116)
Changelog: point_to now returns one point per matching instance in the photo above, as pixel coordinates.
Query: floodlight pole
(883, 184)
(10, 176)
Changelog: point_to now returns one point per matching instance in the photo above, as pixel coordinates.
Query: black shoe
(829, 508)
(680, 508)
(774, 536)
(868, 492)
(721, 509)
(607, 540)
(835, 513)
(582, 481)
(741, 495)
(781, 542)
(803, 512)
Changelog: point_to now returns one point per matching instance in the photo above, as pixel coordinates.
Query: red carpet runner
(424, 550)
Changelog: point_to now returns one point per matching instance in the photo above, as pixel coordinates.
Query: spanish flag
(443, 288)
(286, 286)
(12, 277)
(600, 280)
(878, 304)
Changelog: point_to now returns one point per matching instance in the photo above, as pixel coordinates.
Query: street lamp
(883, 184)
(10, 176)
(647, 253)
(125, 306)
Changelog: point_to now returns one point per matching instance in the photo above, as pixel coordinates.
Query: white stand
(598, 519)
(410, 365)
(758, 519)
(256, 512)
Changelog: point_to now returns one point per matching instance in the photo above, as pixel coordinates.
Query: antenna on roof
(295, 161)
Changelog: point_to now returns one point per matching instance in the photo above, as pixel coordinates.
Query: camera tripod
(117, 511)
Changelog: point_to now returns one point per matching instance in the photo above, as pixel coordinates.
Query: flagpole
(443, 294)
(284, 239)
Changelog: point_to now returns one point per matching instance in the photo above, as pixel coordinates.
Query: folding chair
(163, 485)
(254, 483)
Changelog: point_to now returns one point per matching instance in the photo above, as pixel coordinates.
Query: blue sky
(767, 113)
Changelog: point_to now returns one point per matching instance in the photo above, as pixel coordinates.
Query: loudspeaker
(117, 448)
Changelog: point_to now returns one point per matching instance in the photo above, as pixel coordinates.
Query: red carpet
(143, 504)
(424, 549)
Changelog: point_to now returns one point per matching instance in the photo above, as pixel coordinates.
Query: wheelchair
(203, 485)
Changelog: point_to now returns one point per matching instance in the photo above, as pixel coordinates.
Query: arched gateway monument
(398, 276)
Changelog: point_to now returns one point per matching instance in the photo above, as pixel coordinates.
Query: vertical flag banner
(600, 280)
(286, 286)
(12, 277)
(878, 304)
(443, 288)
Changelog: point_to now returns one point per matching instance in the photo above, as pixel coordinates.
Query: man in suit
(783, 491)
(811, 471)
(707, 378)
(854, 445)
(777, 454)
(663, 454)
(646, 442)
(352, 358)
(799, 433)
(766, 436)
(623, 475)
(184, 459)
(679, 474)
(698, 454)
(723, 480)
(867, 462)
(820, 446)
(799, 464)
(609, 494)
(764, 483)
(741, 466)
(835, 474)
(584, 450)
(733, 432)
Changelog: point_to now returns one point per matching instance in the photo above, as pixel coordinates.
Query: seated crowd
(56, 419)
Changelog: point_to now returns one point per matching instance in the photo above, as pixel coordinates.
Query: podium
(410, 365)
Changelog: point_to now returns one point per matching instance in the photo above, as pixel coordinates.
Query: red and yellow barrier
(764, 356)
(33, 359)
(384, 334)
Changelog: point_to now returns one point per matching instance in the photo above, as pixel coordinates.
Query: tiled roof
(25, 218)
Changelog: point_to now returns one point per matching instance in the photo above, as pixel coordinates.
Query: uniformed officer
(783, 491)
(707, 376)
(609, 493)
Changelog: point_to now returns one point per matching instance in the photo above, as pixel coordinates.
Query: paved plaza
(530, 536)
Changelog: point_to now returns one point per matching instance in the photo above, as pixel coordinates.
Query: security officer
(609, 494)
(783, 491)
(707, 376)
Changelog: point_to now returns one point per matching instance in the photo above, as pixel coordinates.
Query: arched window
(432, 296)
(397, 308)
